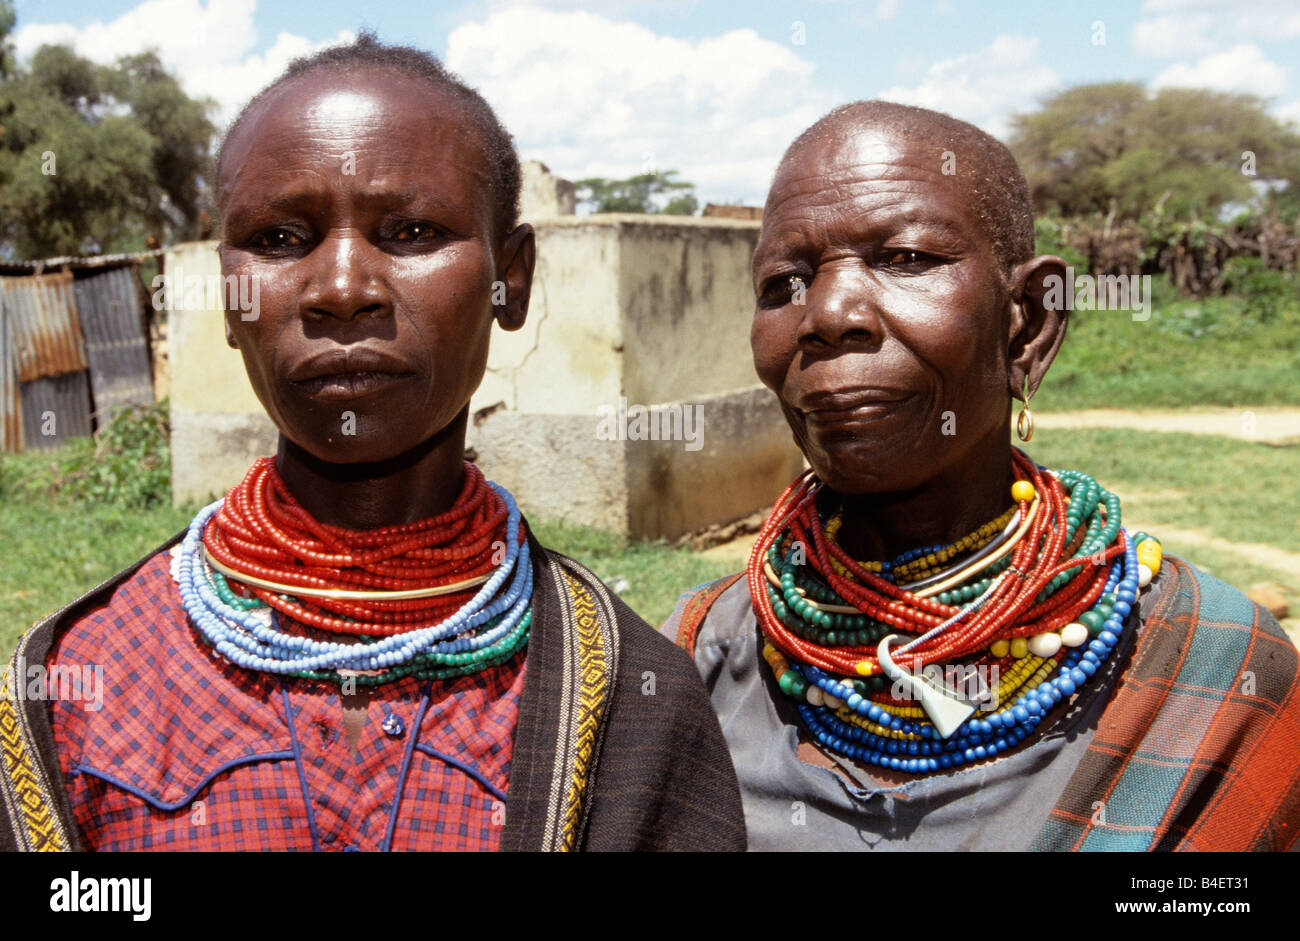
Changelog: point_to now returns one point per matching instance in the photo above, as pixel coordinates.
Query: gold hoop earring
(1025, 424)
(1025, 420)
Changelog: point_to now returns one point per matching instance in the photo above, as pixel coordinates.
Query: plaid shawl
(1199, 747)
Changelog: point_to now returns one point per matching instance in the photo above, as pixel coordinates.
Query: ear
(1039, 312)
(515, 263)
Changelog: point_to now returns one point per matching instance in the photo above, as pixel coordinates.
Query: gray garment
(792, 805)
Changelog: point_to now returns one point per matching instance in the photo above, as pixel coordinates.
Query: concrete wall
(686, 303)
(626, 311)
(747, 458)
(566, 356)
(218, 425)
(650, 311)
(543, 194)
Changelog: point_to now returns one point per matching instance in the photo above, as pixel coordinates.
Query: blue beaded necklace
(977, 738)
(488, 629)
(947, 730)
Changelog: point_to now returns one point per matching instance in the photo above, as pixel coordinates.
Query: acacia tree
(97, 158)
(638, 194)
(1094, 148)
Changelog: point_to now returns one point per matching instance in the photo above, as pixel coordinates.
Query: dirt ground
(1273, 425)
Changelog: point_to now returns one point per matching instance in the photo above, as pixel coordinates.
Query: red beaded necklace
(263, 532)
(1008, 612)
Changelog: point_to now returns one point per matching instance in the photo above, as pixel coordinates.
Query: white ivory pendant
(945, 710)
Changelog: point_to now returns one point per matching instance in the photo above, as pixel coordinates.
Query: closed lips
(845, 406)
(348, 362)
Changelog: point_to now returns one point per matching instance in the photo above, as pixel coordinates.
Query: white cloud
(1243, 68)
(593, 97)
(983, 87)
(182, 29)
(233, 83)
(1289, 112)
(1175, 28)
(1173, 35)
(207, 47)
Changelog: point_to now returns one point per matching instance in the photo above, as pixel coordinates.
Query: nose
(344, 282)
(841, 309)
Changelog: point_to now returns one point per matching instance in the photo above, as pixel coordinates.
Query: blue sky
(712, 89)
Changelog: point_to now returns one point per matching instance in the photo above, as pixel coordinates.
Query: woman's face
(881, 319)
(359, 206)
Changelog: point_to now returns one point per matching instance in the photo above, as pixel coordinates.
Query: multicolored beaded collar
(946, 655)
(272, 590)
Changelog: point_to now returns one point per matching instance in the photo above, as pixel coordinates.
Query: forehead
(854, 176)
(334, 113)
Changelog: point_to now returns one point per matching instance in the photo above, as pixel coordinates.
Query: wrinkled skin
(893, 338)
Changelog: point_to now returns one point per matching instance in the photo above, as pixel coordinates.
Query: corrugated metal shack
(74, 347)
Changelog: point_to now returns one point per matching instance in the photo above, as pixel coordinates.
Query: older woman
(362, 646)
(939, 644)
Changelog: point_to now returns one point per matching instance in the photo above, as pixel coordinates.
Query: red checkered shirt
(188, 752)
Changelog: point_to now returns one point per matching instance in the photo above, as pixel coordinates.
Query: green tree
(1180, 151)
(98, 158)
(7, 20)
(638, 194)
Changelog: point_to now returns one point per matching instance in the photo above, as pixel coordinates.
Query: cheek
(257, 339)
(957, 334)
(437, 285)
(770, 343)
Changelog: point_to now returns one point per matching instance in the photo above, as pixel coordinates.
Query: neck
(942, 510)
(414, 485)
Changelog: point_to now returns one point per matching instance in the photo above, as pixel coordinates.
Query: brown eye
(906, 258)
(277, 239)
(782, 289)
(416, 232)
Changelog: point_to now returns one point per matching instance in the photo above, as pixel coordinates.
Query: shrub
(1265, 290)
(127, 465)
(1050, 239)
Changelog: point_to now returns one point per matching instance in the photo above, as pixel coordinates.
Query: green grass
(56, 549)
(1237, 490)
(1216, 351)
(656, 575)
(1240, 491)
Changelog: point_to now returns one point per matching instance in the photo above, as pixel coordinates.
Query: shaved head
(982, 164)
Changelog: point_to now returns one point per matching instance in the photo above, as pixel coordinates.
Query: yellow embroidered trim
(593, 679)
(43, 832)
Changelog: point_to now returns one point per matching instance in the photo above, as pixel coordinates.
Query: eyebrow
(302, 199)
(895, 219)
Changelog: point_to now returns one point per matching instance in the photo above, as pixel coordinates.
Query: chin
(862, 466)
(859, 481)
(352, 449)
